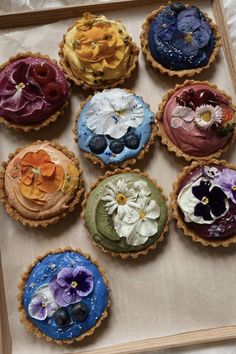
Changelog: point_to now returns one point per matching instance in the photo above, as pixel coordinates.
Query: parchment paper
(179, 287)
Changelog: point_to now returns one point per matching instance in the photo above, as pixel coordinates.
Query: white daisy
(207, 115)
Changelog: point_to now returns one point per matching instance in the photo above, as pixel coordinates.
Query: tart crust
(96, 160)
(34, 329)
(132, 254)
(187, 231)
(133, 62)
(179, 73)
(32, 127)
(163, 135)
(54, 219)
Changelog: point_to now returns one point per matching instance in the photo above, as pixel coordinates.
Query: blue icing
(108, 157)
(168, 45)
(96, 301)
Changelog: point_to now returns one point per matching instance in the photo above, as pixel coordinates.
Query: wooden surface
(178, 340)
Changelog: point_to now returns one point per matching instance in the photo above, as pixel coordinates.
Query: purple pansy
(71, 284)
(42, 304)
(20, 91)
(212, 201)
(227, 181)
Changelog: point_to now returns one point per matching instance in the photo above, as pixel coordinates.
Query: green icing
(100, 224)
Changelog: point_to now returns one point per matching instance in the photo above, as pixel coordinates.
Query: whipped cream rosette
(34, 91)
(196, 120)
(204, 202)
(40, 183)
(125, 213)
(98, 53)
(63, 297)
(180, 40)
(114, 127)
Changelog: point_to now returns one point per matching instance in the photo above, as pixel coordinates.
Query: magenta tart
(40, 183)
(34, 91)
(204, 202)
(196, 120)
(63, 296)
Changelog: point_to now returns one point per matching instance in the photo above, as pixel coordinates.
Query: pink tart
(196, 120)
(34, 91)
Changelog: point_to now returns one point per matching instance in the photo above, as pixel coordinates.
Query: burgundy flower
(71, 284)
(20, 93)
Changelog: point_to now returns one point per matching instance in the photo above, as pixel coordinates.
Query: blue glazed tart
(63, 296)
(180, 40)
(114, 128)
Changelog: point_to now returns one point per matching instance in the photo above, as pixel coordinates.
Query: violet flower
(20, 93)
(71, 284)
(42, 304)
(227, 181)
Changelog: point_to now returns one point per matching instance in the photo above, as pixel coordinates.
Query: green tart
(125, 212)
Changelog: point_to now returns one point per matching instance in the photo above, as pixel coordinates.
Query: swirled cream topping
(97, 49)
(40, 181)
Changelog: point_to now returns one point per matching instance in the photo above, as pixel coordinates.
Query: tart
(114, 128)
(63, 296)
(34, 91)
(40, 183)
(196, 120)
(98, 53)
(204, 202)
(125, 213)
(180, 40)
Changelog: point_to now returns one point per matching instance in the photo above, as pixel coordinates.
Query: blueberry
(61, 318)
(131, 140)
(177, 6)
(116, 146)
(98, 144)
(79, 312)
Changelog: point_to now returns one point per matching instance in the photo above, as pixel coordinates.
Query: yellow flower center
(36, 170)
(20, 86)
(74, 284)
(121, 199)
(206, 116)
(205, 200)
(233, 188)
(43, 304)
(142, 215)
(188, 37)
(120, 112)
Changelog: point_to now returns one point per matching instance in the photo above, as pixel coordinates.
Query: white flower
(119, 197)
(207, 115)
(42, 304)
(185, 113)
(112, 112)
(145, 225)
(142, 189)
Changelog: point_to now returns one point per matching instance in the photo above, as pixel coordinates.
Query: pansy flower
(202, 202)
(227, 181)
(181, 114)
(71, 180)
(165, 25)
(42, 304)
(70, 285)
(192, 33)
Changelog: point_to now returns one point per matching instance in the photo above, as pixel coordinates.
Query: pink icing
(28, 105)
(189, 138)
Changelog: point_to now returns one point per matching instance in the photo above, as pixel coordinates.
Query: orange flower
(39, 175)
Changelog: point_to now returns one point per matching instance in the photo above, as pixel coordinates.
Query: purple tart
(34, 91)
(204, 202)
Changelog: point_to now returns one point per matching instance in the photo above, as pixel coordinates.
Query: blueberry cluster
(99, 143)
(79, 313)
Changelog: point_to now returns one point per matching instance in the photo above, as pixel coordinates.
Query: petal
(201, 190)
(52, 184)
(124, 229)
(202, 37)
(47, 169)
(203, 211)
(27, 175)
(51, 308)
(70, 296)
(191, 11)
(65, 277)
(70, 180)
(35, 159)
(31, 191)
(147, 228)
(188, 24)
(36, 310)
(57, 291)
(153, 210)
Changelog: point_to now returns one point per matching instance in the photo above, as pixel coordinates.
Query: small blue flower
(165, 25)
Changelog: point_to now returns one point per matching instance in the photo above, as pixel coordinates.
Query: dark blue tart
(180, 40)
(63, 296)
(114, 128)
